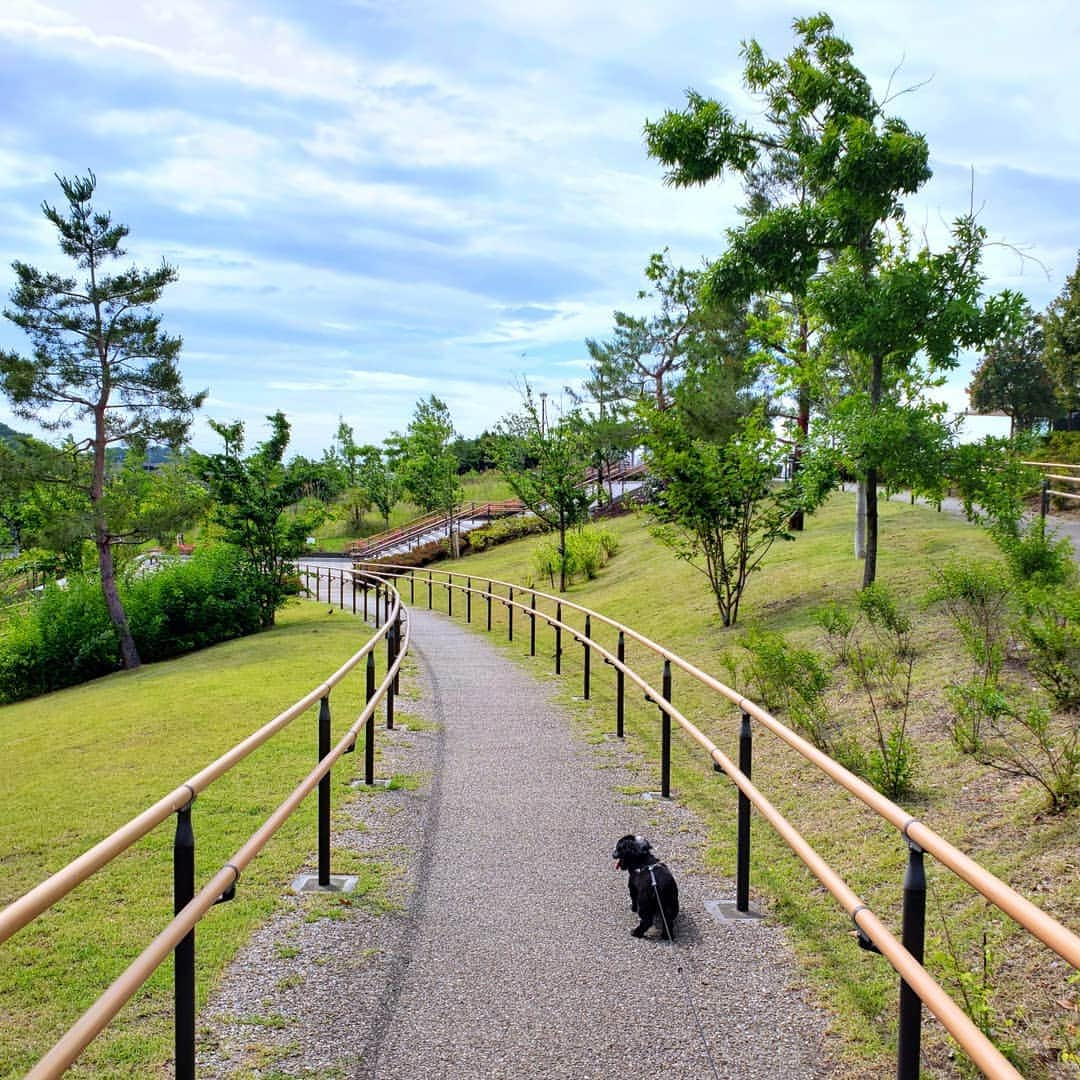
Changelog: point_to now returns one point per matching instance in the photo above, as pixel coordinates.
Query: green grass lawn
(81, 762)
(996, 819)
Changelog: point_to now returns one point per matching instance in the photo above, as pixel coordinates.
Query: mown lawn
(1029, 1004)
(81, 762)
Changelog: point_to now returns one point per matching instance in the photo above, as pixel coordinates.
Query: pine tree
(99, 357)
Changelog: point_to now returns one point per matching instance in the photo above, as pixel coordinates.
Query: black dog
(653, 892)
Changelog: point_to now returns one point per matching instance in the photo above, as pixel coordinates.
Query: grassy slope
(81, 762)
(995, 819)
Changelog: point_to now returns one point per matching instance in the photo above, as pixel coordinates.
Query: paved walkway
(512, 954)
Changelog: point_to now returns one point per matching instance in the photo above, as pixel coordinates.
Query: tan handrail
(1020, 909)
(1051, 464)
(40, 898)
(1052, 933)
(98, 1016)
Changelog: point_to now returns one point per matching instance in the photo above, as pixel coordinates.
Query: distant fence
(917, 985)
(1070, 477)
(178, 937)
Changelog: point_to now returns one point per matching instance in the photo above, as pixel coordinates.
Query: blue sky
(370, 202)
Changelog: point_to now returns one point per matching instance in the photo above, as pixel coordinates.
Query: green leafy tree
(880, 309)
(546, 464)
(99, 356)
(1061, 342)
(377, 480)
(718, 505)
(425, 461)
(1012, 378)
(255, 506)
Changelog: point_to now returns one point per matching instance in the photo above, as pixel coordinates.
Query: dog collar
(642, 869)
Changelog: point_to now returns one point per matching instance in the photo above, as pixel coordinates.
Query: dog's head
(631, 851)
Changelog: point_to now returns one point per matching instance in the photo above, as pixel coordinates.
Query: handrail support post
(184, 953)
(324, 794)
(742, 864)
(913, 937)
(665, 736)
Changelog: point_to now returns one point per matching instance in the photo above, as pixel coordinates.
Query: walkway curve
(513, 957)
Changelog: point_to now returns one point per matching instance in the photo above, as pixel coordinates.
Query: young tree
(719, 505)
(1011, 377)
(1061, 337)
(545, 464)
(253, 502)
(426, 464)
(880, 308)
(100, 356)
(377, 480)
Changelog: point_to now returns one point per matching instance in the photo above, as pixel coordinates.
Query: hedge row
(64, 636)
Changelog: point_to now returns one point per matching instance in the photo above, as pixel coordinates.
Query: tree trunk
(129, 655)
(562, 553)
(870, 566)
(795, 524)
(860, 519)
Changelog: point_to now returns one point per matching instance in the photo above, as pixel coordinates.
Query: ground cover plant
(1017, 990)
(80, 762)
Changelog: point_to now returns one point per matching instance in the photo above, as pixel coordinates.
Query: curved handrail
(1053, 934)
(43, 896)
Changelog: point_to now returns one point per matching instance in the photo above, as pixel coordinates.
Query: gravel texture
(506, 951)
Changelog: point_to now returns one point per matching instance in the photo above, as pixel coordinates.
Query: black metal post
(468, 599)
(1044, 499)
(324, 795)
(341, 589)
(369, 727)
(665, 736)
(913, 937)
(390, 689)
(488, 598)
(532, 626)
(184, 953)
(388, 602)
(620, 684)
(588, 656)
(397, 651)
(449, 596)
(378, 605)
(742, 863)
(558, 639)
(510, 614)
(365, 600)
(412, 586)
(429, 590)
(353, 580)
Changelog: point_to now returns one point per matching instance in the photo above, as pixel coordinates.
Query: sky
(371, 202)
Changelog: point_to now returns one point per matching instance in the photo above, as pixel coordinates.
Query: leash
(682, 976)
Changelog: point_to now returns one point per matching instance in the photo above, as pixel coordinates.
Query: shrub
(64, 636)
(788, 681)
(499, 532)
(587, 550)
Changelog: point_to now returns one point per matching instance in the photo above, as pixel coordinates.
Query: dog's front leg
(633, 894)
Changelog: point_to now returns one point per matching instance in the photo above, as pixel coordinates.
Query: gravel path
(508, 951)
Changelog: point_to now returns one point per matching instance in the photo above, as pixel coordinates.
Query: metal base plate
(309, 883)
(725, 911)
(656, 796)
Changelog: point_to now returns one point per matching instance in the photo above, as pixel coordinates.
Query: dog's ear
(643, 846)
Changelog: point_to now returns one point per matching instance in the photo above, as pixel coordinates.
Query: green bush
(587, 550)
(499, 532)
(64, 636)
